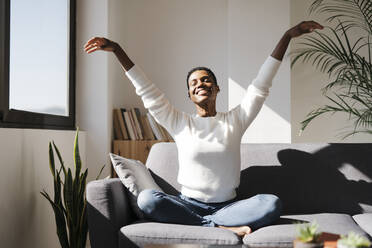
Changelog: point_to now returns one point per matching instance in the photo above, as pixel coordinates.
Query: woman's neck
(206, 110)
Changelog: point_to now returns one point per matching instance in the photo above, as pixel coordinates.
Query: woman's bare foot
(239, 230)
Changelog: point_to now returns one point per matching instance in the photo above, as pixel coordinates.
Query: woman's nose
(199, 82)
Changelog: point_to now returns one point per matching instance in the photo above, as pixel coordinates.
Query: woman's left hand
(303, 28)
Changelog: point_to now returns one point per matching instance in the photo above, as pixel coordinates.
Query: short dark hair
(200, 68)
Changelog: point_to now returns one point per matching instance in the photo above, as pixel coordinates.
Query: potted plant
(345, 58)
(69, 202)
(353, 240)
(308, 236)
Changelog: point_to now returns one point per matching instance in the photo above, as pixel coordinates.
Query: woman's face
(202, 88)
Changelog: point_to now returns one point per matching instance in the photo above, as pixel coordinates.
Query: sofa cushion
(135, 177)
(163, 164)
(282, 233)
(365, 222)
(163, 233)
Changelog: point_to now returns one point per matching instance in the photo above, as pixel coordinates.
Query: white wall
(27, 219)
(306, 84)
(255, 27)
(93, 101)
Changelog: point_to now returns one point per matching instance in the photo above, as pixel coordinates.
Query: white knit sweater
(208, 147)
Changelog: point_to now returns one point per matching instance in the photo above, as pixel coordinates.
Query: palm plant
(69, 210)
(350, 72)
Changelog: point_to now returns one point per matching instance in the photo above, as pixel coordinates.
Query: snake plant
(69, 202)
(346, 61)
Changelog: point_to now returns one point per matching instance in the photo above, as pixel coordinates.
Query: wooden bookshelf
(133, 149)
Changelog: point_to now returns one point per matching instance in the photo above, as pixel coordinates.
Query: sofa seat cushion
(283, 232)
(365, 222)
(162, 233)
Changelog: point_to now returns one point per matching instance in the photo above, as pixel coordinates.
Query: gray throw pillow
(135, 176)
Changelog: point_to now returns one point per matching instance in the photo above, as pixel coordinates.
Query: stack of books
(129, 124)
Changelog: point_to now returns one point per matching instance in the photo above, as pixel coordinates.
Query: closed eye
(205, 79)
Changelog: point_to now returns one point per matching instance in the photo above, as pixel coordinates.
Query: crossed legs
(240, 217)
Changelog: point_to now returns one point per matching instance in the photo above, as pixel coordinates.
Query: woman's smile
(203, 92)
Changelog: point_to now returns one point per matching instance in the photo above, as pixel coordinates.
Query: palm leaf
(336, 55)
(348, 134)
(354, 13)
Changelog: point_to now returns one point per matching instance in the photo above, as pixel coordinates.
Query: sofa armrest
(365, 222)
(108, 210)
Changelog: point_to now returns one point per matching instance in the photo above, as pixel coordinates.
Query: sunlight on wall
(268, 127)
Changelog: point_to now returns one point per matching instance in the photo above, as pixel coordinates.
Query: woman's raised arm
(100, 43)
(153, 99)
(300, 29)
(259, 89)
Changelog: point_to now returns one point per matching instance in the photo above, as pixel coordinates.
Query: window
(37, 52)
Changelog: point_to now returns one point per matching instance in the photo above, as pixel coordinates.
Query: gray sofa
(329, 183)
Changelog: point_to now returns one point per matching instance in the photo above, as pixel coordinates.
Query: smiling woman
(208, 144)
(37, 72)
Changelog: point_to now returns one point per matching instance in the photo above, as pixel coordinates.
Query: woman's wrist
(115, 46)
(288, 34)
(122, 57)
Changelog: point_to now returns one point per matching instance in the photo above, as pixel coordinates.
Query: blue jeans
(255, 212)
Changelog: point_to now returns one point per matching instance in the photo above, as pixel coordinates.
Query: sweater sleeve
(155, 101)
(257, 92)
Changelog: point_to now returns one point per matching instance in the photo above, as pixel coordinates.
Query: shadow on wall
(275, 99)
(313, 183)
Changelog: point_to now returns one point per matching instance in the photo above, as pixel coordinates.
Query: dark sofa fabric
(330, 183)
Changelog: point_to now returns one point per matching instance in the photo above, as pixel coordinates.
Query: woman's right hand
(100, 43)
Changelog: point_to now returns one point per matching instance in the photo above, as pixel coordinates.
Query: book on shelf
(169, 137)
(148, 134)
(162, 131)
(122, 110)
(122, 124)
(154, 126)
(159, 131)
(136, 124)
(132, 136)
(133, 125)
(117, 130)
(140, 123)
(166, 134)
(129, 124)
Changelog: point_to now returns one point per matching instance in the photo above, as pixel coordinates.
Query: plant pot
(299, 244)
(339, 245)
